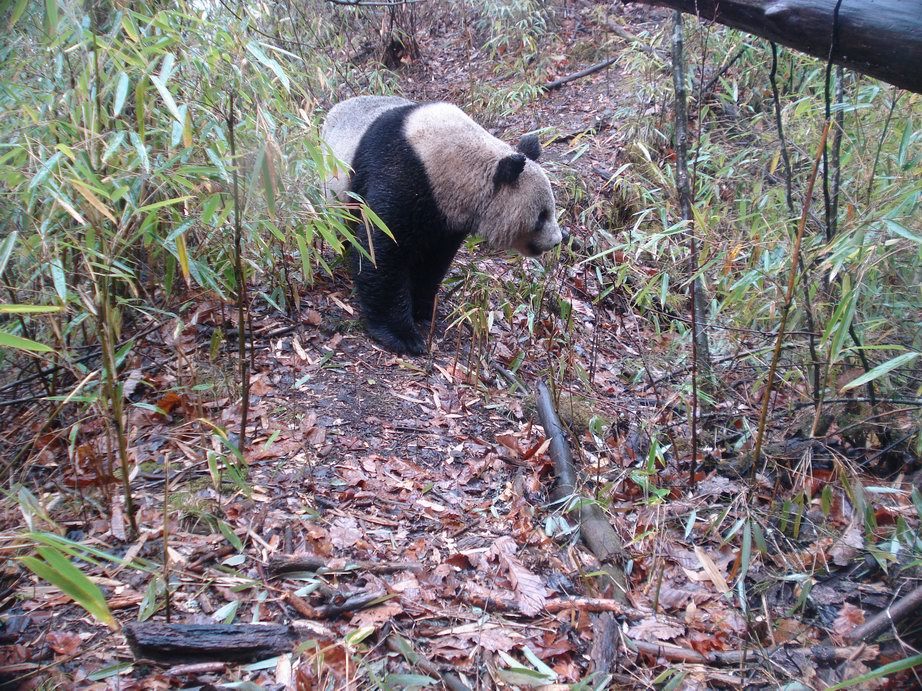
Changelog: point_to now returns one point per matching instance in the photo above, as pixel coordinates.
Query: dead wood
(888, 617)
(339, 605)
(637, 42)
(282, 564)
(819, 653)
(196, 669)
(598, 67)
(595, 604)
(884, 42)
(595, 530)
(604, 636)
(403, 647)
(189, 643)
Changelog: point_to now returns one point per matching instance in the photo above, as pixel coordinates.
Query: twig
(637, 42)
(280, 565)
(723, 70)
(700, 348)
(788, 298)
(888, 617)
(598, 67)
(595, 530)
(675, 653)
(334, 609)
(240, 277)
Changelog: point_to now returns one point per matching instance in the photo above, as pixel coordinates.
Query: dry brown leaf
(847, 547)
(653, 630)
(717, 578)
(849, 617)
(63, 643)
(345, 532)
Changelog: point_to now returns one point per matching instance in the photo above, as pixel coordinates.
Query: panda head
(521, 214)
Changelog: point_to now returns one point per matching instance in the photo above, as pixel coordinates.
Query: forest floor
(422, 485)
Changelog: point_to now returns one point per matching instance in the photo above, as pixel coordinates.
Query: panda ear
(530, 145)
(508, 169)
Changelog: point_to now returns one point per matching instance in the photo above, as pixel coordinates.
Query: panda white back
(343, 129)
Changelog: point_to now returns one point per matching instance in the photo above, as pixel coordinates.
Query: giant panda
(434, 176)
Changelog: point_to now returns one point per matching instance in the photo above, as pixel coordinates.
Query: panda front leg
(384, 293)
(428, 275)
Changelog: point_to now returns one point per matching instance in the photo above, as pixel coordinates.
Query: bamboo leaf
(902, 231)
(6, 249)
(17, 13)
(164, 202)
(121, 93)
(141, 149)
(55, 568)
(29, 309)
(45, 170)
(168, 100)
(113, 145)
(257, 52)
(882, 671)
(881, 370)
(8, 340)
(51, 17)
(94, 201)
(182, 254)
(59, 279)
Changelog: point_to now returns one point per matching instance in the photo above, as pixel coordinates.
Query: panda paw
(410, 343)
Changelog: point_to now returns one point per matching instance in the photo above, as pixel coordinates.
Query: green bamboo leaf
(121, 93)
(17, 13)
(903, 155)
(28, 309)
(226, 614)
(59, 279)
(902, 231)
(167, 99)
(51, 17)
(164, 202)
(55, 568)
(881, 370)
(882, 671)
(268, 180)
(257, 52)
(45, 170)
(141, 149)
(8, 340)
(6, 249)
(113, 145)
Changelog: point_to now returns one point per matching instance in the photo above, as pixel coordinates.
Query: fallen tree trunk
(882, 38)
(176, 643)
(594, 529)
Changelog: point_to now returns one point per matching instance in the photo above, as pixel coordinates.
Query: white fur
(343, 129)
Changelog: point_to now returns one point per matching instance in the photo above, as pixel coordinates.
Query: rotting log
(881, 38)
(594, 528)
(176, 643)
(888, 618)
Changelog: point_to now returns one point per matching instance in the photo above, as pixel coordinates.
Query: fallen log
(881, 38)
(890, 616)
(189, 643)
(595, 530)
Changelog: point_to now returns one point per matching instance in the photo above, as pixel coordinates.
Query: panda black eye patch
(542, 219)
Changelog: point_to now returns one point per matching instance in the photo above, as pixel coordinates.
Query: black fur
(530, 145)
(508, 169)
(401, 287)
